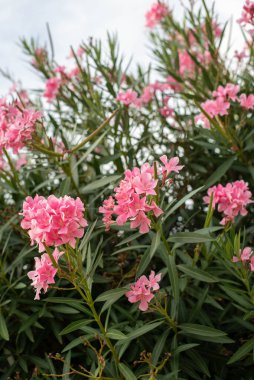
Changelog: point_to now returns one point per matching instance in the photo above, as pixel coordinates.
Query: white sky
(72, 21)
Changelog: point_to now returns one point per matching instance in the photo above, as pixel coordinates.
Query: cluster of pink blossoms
(231, 199)
(246, 256)
(221, 104)
(247, 17)
(157, 13)
(53, 221)
(142, 290)
(16, 125)
(131, 98)
(134, 198)
(44, 272)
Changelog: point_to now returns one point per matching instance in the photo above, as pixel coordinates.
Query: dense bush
(134, 195)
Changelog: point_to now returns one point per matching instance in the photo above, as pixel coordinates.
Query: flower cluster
(245, 255)
(134, 198)
(16, 125)
(221, 104)
(247, 16)
(157, 13)
(52, 87)
(142, 290)
(44, 272)
(231, 199)
(53, 221)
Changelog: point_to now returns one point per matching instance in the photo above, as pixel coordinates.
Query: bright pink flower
(216, 107)
(157, 13)
(141, 221)
(247, 16)
(141, 290)
(231, 199)
(247, 102)
(16, 125)
(128, 97)
(186, 64)
(44, 272)
(166, 111)
(145, 184)
(53, 221)
(52, 88)
(230, 91)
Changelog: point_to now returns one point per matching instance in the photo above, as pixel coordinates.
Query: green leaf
(158, 348)
(141, 331)
(126, 372)
(66, 367)
(148, 255)
(208, 334)
(219, 172)
(115, 334)
(190, 238)
(3, 328)
(111, 294)
(185, 347)
(181, 201)
(174, 281)
(77, 325)
(102, 182)
(242, 351)
(198, 274)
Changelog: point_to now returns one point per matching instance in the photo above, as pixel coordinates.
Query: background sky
(72, 21)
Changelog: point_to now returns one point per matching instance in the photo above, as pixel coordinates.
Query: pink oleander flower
(216, 107)
(44, 272)
(202, 120)
(252, 264)
(142, 290)
(128, 97)
(53, 221)
(52, 88)
(186, 64)
(230, 91)
(16, 125)
(247, 101)
(231, 199)
(247, 16)
(240, 55)
(244, 255)
(157, 13)
(133, 199)
(21, 161)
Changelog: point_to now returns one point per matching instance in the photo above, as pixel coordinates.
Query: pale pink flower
(216, 107)
(21, 161)
(52, 88)
(145, 184)
(44, 272)
(170, 165)
(247, 16)
(247, 101)
(141, 290)
(245, 254)
(157, 13)
(202, 120)
(141, 221)
(252, 264)
(53, 221)
(186, 64)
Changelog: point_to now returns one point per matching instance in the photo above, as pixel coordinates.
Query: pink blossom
(21, 161)
(230, 91)
(133, 199)
(53, 221)
(128, 97)
(240, 55)
(246, 254)
(52, 88)
(166, 111)
(3, 163)
(44, 272)
(157, 13)
(247, 16)
(16, 125)
(186, 64)
(141, 290)
(40, 56)
(202, 120)
(231, 199)
(170, 165)
(247, 101)
(252, 264)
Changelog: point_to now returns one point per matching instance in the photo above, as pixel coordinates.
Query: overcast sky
(72, 21)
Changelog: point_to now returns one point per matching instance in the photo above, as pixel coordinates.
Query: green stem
(94, 133)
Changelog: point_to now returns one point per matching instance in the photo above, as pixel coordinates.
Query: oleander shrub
(126, 227)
